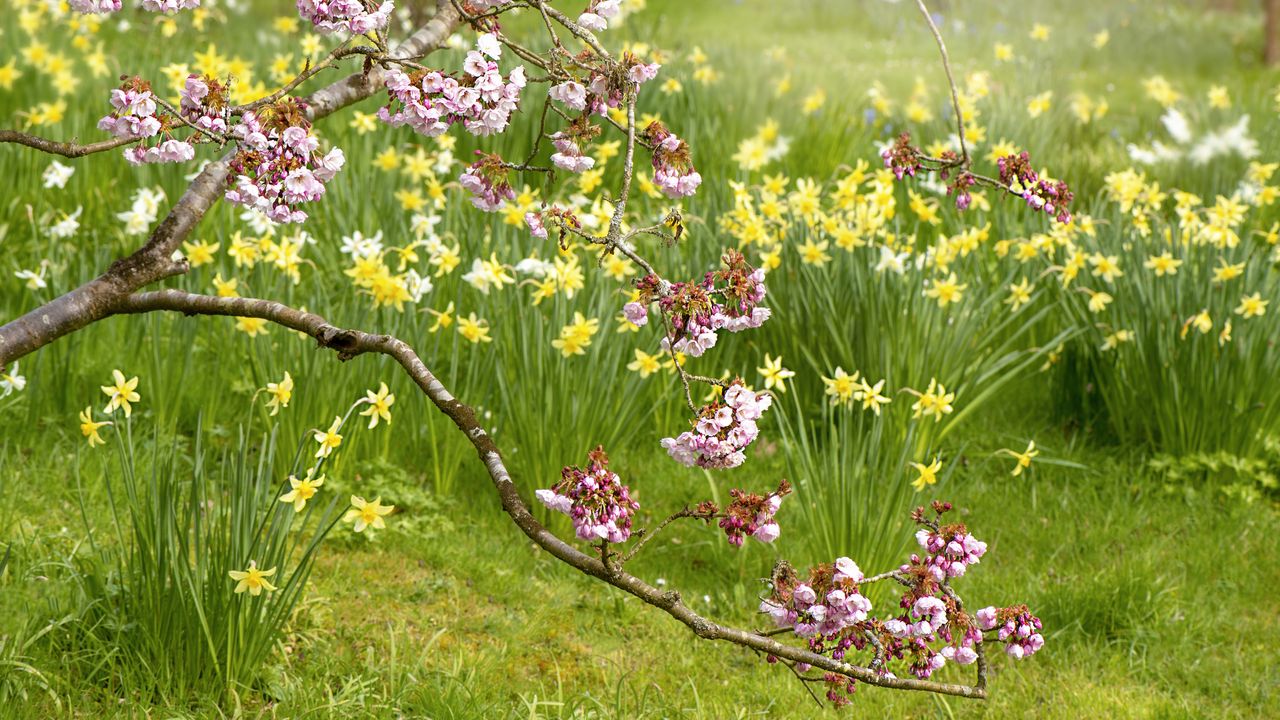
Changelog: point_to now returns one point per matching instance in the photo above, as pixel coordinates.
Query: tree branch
(65, 149)
(350, 343)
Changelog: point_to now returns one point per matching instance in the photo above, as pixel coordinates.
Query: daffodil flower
(1023, 458)
(90, 428)
(367, 514)
(121, 394)
(329, 439)
(302, 490)
(281, 393)
(774, 374)
(928, 474)
(379, 405)
(935, 401)
(870, 395)
(11, 382)
(842, 387)
(253, 579)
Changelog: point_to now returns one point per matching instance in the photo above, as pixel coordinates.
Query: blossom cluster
(1016, 627)
(278, 166)
(594, 498)
(135, 115)
(693, 310)
(354, 16)
(821, 607)
(752, 515)
(480, 98)
(204, 103)
(605, 87)
(597, 15)
(98, 7)
(722, 431)
(568, 156)
(1051, 196)
(901, 157)
(951, 550)
(673, 170)
(486, 180)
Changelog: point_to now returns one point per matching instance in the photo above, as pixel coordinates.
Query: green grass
(1158, 597)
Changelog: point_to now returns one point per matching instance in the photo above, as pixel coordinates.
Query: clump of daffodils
(594, 498)
(722, 431)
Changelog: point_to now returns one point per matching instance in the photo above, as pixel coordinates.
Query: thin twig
(647, 535)
(946, 65)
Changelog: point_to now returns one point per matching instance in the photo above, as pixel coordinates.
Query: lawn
(1142, 534)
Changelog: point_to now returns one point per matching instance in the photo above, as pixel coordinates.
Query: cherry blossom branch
(97, 298)
(349, 343)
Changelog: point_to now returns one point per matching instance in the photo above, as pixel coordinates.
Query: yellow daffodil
(251, 326)
(928, 474)
(328, 439)
(1252, 306)
(841, 386)
(1200, 321)
(89, 428)
(366, 514)
(1019, 294)
(121, 394)
(946, 291)
(1163, 264)
(576, 336)
(302, 490)
(870, 396)
(935, 401)
(645, 364)
(281, 393)
(1023, 458)
(774, 374)
(253, 579)
(474, 329)
(379, 405)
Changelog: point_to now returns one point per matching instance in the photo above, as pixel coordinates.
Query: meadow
(1134, 346)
